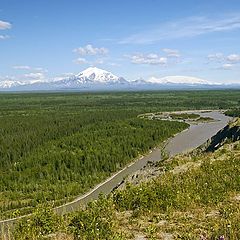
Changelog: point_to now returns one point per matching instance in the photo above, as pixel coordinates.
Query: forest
(235, 112)
(55, 146)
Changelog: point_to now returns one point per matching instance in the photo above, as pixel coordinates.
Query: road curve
(187, 140)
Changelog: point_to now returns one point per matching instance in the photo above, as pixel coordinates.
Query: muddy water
(196, 135)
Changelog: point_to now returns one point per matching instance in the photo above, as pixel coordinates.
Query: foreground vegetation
(56, 146)
(196, 197)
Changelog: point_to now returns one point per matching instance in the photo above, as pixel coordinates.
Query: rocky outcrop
(230, 133)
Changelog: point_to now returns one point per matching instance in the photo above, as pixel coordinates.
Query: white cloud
(227, 62)
(154, 58)
(234, 58)
(150, 59)
(40, 69)
(80, 61)
(5, 25)
(22, 67)
(34, 76)
(188, 27)
(63, 76)
(90, 50)
(3, 37)
(219, 57)
(99, 61)
(114, 64)
(28, 68)
(7, 78)
(171, 52)
(227, 66)
(31, 77)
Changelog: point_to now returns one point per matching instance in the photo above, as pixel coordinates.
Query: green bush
(41, 223)
(94, 222)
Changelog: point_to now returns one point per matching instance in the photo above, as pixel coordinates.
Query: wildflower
(202, 237)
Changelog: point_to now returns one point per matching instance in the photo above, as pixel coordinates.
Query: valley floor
(193, 196)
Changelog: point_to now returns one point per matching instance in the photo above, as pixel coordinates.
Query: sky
(47, 40)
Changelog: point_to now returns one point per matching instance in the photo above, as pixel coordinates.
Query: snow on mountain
(92, 78)
(95, 75)
(10, 84)
(139, 81)
(98, 79)
(178, 80)
(13, 84)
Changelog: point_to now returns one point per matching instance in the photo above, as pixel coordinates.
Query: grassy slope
(198, 197)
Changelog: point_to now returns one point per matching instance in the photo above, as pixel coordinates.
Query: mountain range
(93, 79)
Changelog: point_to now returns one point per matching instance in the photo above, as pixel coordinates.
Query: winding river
(185, 141)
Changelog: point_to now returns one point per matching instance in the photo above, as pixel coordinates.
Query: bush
(94, 222)
(41, 223)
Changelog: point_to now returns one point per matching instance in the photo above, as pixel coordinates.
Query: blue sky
(134, 39)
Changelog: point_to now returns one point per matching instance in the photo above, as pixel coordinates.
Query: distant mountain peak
(9, 84)
(97, 75)
(94, 70)
(178, 80)
(94, 78)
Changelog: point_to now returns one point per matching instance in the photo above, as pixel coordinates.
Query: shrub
(41, 223)
(94, 222)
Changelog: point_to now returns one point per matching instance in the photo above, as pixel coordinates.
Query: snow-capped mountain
(98, 75)
(178, 80)
(93, 79)
(10, 83)
(90, 76)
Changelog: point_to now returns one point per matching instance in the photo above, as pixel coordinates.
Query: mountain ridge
(94, 78)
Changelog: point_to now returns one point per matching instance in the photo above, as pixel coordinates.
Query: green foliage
(41, 223)
(71, 165)
(95, 222)
(207, 185)
(205, 119)
(184, 116)
(212, 185)
(233, 112)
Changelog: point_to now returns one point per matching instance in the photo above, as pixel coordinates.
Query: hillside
(230, 132)
(196, 196)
